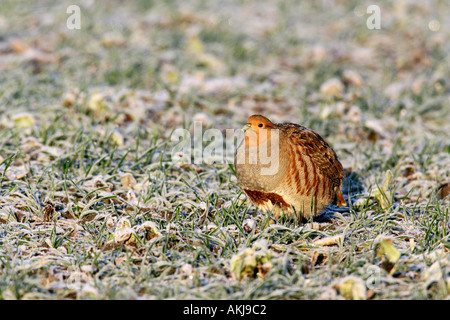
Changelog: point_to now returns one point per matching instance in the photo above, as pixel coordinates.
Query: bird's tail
(339, 198)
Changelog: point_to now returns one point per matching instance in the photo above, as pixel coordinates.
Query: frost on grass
(92, 205)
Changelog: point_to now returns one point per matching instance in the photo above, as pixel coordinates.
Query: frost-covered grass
(92, 206)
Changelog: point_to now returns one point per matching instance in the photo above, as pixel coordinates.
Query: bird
(287, 169)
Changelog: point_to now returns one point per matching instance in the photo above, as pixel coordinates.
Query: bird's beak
(246, 127)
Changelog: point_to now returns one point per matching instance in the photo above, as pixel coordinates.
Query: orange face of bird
(257, 130)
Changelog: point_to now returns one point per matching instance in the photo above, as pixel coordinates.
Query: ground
(94, 203)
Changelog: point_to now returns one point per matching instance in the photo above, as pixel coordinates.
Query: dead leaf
(13, 173)
(49, 210)
(352, 77)
(252, 262)
(443, 191)
(388, 253)
(332, 88)
(352, 288)
(330, 241)
(151, 230)
(249, 225)
(128, 181)
(18, 45)
(23, 120)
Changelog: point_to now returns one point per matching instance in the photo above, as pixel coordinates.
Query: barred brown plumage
(307, 176)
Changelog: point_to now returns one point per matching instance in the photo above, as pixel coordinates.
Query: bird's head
(257, 130)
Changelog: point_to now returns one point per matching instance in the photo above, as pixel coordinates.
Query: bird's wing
(314, 146)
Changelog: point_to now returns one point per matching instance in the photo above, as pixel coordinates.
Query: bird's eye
(260, 125)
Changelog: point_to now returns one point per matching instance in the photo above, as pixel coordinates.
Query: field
(95, 203)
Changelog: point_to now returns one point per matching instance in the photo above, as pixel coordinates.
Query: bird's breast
(258, 167)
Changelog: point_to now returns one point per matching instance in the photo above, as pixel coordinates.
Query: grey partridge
(287, 169)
